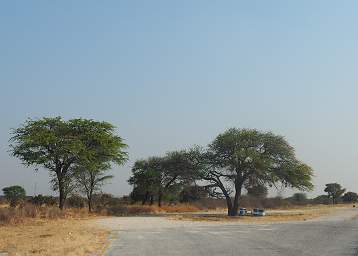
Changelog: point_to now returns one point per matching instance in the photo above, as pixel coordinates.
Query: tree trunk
(60, 173)
(145, 198)
(160, 195)
(151, 199)
(235, 207)
(62, 195)
(89, 201)
(227, 197)
(229, 205)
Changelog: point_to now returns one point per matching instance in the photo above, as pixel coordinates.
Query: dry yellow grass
(53, 237)
(137, 209)
(177, 208)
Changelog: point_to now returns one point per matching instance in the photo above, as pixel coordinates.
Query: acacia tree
(176, 169)
(103, 148)
(145, 180)
(14, 194)
(334, 191)
(158, 175)
(59, 146)
(350, 197)
(239, 155)
(89, 181)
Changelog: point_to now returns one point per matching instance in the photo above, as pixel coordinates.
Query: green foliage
(257, 190)
(350, 197)
(334, 191)
(240, 156)
(14, 194)
(264, 157)
(60, 146)
(145, 179)
(160, 175)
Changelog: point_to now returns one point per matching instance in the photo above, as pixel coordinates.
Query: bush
(298, 198)
(125, 210)
(322, 199)
(43, 200)
(104, 201)
(76, 201)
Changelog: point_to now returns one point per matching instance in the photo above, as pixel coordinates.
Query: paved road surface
(157, 236)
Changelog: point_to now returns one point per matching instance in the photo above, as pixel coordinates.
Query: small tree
(14, 195)
(43, 200)
(103, 148)
(90, 181)
(334, 191)
(350, 197)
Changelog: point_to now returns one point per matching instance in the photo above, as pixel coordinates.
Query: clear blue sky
(171, 74)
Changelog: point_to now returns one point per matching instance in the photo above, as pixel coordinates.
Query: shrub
(125, 210)
(104, 201)
(298, 198)
(43, 200)
(76, 201)
(322, 199)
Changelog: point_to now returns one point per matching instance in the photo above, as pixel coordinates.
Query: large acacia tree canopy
(55, 143)
(251, 156)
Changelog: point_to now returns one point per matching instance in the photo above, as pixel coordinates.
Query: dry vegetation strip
(33, 230)
(278, 215)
